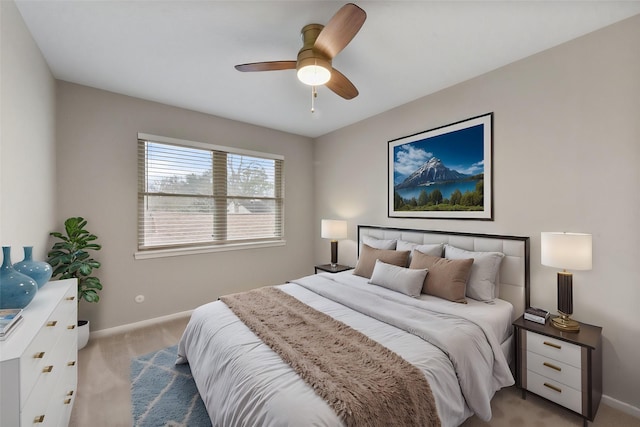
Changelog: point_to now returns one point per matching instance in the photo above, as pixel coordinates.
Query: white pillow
(379, 243)
(399, 279)
(484, 271)
(433, 249)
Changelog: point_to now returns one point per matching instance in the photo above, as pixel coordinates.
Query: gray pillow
(484, 271)
(379, 243)
(399, 279)
(434, 249)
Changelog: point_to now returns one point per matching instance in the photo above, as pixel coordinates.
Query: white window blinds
(194, 194)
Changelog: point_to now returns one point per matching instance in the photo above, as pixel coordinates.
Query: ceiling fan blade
(341, 85)
(340, 30)
(267, 66)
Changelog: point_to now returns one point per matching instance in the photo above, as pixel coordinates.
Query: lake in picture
(445, 188)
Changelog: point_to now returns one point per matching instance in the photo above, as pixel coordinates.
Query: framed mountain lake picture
(443, 173)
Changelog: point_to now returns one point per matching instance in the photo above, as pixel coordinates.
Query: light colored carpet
(104, 397)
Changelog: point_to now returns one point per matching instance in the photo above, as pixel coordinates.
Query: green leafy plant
(70, 259)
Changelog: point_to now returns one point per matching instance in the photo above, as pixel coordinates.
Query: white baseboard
(137, 325)
(621, 406)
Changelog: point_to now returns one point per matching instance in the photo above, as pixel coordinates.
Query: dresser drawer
(555, 349)
(38, 356)
(555, 370)
(557, 392)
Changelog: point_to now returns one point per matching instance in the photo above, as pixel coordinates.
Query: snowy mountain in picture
(430, 172)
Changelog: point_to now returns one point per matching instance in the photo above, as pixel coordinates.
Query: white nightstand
(563, 367)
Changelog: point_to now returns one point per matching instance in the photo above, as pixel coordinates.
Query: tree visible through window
(191, 195)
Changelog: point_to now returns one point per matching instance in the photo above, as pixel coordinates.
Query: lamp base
(334, 253)
(565, 323)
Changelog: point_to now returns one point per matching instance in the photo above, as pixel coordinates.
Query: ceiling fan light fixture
(314, 75)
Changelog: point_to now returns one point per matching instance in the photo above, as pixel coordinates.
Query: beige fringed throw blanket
(365, 383)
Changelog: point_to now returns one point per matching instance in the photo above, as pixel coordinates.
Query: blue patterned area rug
(164, 394)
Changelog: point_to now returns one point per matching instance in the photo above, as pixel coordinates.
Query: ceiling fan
(320, 45)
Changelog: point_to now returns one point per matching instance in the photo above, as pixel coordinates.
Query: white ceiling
(182, 52)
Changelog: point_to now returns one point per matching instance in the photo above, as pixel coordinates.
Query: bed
(244, 382)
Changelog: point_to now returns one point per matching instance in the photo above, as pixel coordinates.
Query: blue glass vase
(39, 271)
(16, 289)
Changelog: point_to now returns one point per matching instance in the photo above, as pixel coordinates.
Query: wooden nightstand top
(337, 269)
(588, 336)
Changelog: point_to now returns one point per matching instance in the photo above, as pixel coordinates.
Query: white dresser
(38, 372)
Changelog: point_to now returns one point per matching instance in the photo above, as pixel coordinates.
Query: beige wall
(27, 139)
(566, 158)
(97, 179)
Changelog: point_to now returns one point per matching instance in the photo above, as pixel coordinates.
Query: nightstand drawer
(557, 392)
(555, 370)
(556, 349)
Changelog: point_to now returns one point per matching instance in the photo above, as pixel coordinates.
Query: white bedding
(495, 314)
(244, 383)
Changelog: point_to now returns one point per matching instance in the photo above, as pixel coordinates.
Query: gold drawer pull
(39, 355)
(52, 323)
(47, 369)
(67, 401)
(550, 344)
(70, 393)
(549, 365)
(70, 298)
(39, 419)
(72, 363)
(552, 387)
(71, 327)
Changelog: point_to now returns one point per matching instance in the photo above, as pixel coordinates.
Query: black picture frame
(443, 173)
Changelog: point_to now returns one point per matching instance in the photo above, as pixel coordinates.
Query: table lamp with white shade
(569, 251)
(334, 230)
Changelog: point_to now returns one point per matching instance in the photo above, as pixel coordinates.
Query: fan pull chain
(314, 95)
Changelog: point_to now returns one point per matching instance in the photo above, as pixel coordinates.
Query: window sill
(163, 253)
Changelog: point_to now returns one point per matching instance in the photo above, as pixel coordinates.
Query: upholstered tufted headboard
(513, 278)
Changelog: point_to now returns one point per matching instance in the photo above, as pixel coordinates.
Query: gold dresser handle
(39, 355)
(52, 323)
(550, 344)
(70, 298)
(39, 419)
(549, 365)
(67, 401)
(552, 387)
(70, 393)
(47, 369)
(71, 327)
(71, 363)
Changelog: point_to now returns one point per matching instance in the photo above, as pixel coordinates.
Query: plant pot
(83, 333)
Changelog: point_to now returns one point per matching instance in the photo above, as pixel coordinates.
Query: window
(194, 195)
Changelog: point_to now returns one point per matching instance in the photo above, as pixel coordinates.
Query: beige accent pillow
(447, 278)
(369, 255)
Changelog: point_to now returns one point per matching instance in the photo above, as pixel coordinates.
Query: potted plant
(69, 259)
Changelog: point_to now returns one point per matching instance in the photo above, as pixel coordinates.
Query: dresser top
(588, 336)
(34, 317)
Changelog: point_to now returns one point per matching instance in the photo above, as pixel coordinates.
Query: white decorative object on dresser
(38, 361)
(563, 367)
